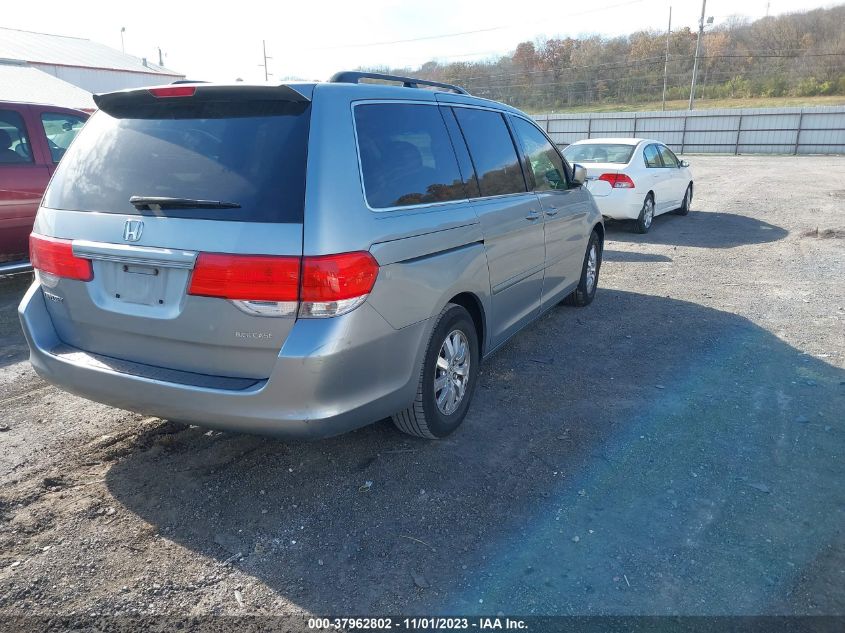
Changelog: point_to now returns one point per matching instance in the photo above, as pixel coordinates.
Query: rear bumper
(331, 376)
(16, 267)
(620, 204)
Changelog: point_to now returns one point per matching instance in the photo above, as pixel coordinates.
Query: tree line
(796, 54)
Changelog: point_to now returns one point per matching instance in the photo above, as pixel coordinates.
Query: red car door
(23, 177)
(55, 128)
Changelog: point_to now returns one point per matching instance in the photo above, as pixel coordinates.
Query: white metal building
(88, 65)
(22, 83)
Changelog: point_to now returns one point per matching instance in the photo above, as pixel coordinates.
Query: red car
(33, 139)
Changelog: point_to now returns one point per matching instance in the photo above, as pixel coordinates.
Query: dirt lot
(677, 447)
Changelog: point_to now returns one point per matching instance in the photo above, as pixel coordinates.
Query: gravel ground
(675, 448)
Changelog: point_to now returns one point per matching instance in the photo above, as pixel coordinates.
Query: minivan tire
(424, 418)
(585, 292)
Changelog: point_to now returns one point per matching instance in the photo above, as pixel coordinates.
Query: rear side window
(251, 154)
(406, 155)
(651, 156)
(492, 150)
(14, 144)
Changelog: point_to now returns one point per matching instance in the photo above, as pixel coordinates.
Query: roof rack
(354, 77)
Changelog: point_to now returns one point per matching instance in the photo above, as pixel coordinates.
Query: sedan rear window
(599, 153)
(252, 156)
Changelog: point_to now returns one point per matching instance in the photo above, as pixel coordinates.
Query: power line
(538, 89)
(656, 59)
(644, 61)
(616, 80)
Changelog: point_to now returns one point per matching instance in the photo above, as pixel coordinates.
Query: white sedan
(633, 178)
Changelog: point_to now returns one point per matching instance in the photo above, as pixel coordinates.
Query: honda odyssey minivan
(301, 259)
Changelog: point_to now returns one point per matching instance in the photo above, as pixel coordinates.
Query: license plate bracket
(138, 284)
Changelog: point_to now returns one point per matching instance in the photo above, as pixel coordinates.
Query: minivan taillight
(271, 285)
(54, 256)
(336, 284)
(618, 181)
(249, 277)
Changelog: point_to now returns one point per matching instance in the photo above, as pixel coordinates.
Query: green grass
(703, 104)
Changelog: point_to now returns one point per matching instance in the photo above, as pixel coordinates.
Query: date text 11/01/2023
(418, 624)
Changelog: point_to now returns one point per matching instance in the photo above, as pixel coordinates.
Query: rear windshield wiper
(156, 203)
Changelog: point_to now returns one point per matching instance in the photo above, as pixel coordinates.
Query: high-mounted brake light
(618, 181)
(55, 256)
(173, 91)
(271, 285)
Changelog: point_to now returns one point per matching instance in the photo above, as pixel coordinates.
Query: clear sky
(311, 39)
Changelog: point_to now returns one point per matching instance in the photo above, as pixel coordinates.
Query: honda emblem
(132, 230)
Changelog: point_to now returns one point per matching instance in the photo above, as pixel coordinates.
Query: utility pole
(160, 57)
(697, 53)
(122, 31)
(264, 49)
(666, 60)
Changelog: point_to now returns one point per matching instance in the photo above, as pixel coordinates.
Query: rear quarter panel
(427, 253)
(419, 275)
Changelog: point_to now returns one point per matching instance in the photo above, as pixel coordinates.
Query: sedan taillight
(618, 181)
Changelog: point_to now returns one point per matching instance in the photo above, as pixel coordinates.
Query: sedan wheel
(646, 215)
(684, 208)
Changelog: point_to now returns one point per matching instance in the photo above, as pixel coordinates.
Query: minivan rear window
(251, 155)
(406, 155)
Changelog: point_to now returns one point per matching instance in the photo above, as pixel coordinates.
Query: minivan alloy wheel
(448, 376)
(592, 267)
(452, 373)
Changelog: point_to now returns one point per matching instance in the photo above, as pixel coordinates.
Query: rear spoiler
(116, 102)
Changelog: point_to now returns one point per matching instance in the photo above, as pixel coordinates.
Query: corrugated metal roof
(30, 85)
(43, 48)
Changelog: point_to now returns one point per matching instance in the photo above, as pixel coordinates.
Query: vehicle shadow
(702, 229)
(609, 255)
(605, 467)
(13, 346)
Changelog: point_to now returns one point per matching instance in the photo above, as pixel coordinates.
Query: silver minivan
(301, 259)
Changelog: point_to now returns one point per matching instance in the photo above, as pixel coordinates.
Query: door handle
(552, 212)
(533, 215)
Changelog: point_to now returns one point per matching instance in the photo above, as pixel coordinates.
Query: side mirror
(579, 174)
(684, 163)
